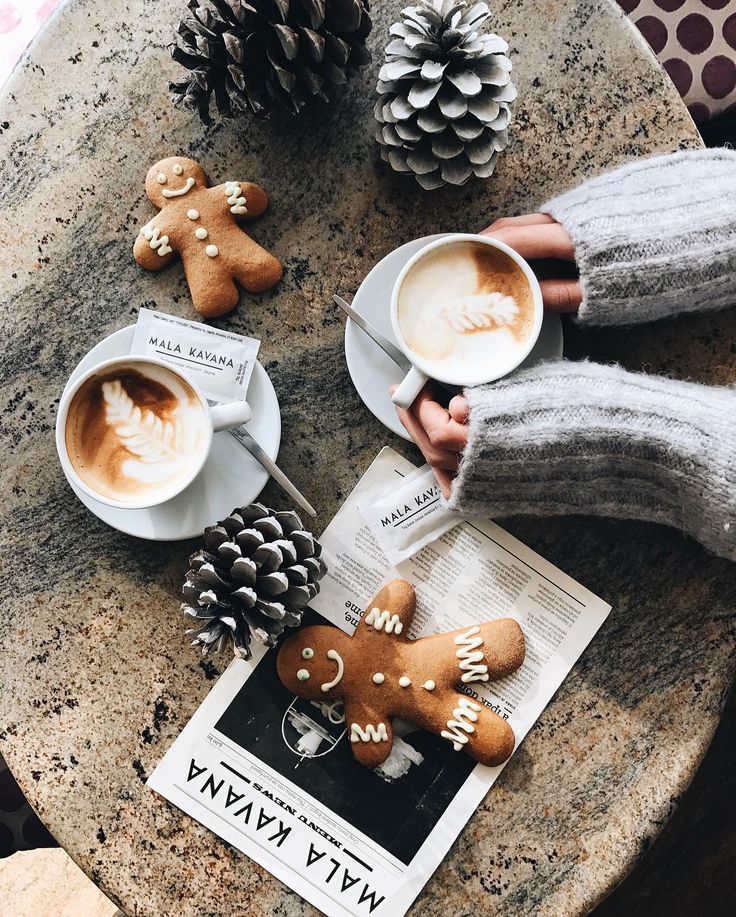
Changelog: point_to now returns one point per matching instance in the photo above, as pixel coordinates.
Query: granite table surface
(97, 678)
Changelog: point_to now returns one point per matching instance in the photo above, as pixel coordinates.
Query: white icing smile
(333, 654)
(167, 192)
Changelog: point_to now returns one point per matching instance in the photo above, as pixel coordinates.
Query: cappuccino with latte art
(465, 308)
(136, 432)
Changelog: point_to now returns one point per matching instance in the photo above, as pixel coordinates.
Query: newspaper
(274, 775)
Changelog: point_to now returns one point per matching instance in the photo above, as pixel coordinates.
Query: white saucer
(373, 371)
(231, 476)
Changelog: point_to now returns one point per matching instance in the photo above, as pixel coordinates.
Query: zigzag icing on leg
(370, 733)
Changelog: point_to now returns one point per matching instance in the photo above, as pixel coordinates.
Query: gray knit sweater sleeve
(564, 438)
(654, 238)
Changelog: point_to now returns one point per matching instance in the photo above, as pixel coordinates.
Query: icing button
(429, 685)
(201, 233)
(379, 678)
(212, 250)
(193, 214)
(404, 681)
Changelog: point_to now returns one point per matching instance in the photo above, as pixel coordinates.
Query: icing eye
(161, 178)
(307, 653)
(302, 674)
(177, 169)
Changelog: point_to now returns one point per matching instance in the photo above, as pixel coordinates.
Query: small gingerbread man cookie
(381, 674)
(200, 223)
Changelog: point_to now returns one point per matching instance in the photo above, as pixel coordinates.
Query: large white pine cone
(445, 94)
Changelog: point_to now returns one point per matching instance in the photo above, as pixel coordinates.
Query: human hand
(440, 432)
(539, 238)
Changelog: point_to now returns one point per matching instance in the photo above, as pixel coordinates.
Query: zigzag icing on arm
(370, 733)
(384, 620)
(470, 656)
(156, 240)
(458, 728)
(235, 198)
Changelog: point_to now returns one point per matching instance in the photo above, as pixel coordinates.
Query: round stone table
(97, 674)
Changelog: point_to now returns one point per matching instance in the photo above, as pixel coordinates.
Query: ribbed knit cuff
(580, 438)
(655, 237)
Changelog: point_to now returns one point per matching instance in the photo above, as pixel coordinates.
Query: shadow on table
(689, 869)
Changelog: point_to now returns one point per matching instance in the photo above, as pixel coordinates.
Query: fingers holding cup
(437, 456)
(442, 430)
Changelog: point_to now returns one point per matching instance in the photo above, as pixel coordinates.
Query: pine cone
(258, 571)
(444, 94)
(264, 54)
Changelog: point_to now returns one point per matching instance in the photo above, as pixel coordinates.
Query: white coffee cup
(421, 372)
(214, 419)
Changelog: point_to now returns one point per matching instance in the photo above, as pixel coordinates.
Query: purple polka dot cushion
(695, 41)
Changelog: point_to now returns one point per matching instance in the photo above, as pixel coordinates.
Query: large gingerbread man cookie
(200, 223)
(380, 674)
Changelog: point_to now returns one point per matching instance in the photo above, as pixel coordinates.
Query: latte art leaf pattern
(480, 312)
(143, 433)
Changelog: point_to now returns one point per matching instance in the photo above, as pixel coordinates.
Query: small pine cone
(257, 572)
(256, 55)
(444, 94)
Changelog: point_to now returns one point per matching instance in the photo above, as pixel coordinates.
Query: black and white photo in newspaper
(274, 775)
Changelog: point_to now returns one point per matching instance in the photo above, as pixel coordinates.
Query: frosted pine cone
(445, 94)
(257, 572)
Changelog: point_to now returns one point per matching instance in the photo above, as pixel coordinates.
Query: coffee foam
(466, 309)
(135, 431)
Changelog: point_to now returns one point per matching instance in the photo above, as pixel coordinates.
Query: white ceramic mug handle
(232, 414)
(406, 393)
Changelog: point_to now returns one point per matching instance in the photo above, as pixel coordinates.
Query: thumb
(459, 409)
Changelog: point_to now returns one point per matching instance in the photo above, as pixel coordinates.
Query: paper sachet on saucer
(219, 362)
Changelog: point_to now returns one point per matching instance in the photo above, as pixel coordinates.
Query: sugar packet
(219, 362)
(409, 516)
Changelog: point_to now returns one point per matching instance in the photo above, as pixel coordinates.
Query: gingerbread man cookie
(200, 223)
(380, 674)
